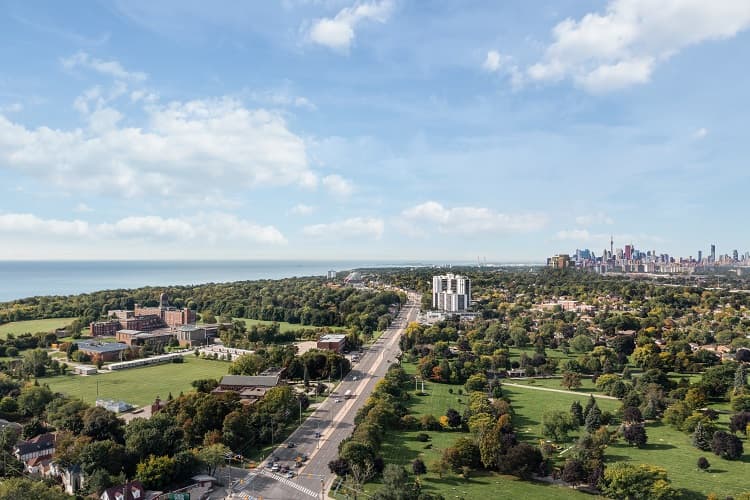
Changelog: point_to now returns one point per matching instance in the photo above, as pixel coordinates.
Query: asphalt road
(334, 419)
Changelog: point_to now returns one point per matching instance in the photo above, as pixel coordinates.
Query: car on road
(337, 400)
(354, 378)
(318, 434)
(290, 445)
(275, 468)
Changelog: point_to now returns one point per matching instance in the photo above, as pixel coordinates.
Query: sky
(376, 129)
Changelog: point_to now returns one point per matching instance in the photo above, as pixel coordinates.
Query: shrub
(703, 463)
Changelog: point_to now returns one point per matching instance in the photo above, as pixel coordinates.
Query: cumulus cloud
(337, 185)
(208, 227)
(215, 142)
(355, 227)
(493, 61)
(621, 47)
(302, 209)
(107, 68)
(466, 220)
(338, 34)
(83, 208)
(593, 219)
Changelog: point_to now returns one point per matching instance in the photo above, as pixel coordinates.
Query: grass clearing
(139, 386)
(286, 327)
(33, 326)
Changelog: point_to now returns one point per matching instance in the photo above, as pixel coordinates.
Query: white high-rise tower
(451, 293)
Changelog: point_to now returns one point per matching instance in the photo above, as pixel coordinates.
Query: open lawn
(33, 326)
(403, 447)
(285, 327)
(139, 386)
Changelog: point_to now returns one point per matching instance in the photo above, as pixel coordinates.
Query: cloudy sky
(388, 129)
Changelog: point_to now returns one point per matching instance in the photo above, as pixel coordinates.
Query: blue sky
(330, 129)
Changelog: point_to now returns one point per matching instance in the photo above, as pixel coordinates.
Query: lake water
(20, 279)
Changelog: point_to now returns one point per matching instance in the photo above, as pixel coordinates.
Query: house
(129, 491)
(42, 445)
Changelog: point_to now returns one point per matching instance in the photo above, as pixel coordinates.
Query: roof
(129, 332)
(250, 381)
(332, 337)
(42, 442)
(101, 347)
(133, 491)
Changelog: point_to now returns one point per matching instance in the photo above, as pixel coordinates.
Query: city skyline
(373, 129)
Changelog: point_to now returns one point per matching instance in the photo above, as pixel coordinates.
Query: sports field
(139, 386)
(285, 327)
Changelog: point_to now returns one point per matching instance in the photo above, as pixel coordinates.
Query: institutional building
(332, 342)
(144, 319)
(451, 293)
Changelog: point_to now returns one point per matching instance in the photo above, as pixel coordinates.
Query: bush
(726, 445)
(703, 463)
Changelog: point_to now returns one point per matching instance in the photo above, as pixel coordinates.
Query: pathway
(522, 386)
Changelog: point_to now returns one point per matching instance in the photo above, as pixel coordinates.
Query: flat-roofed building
(451, 293)
(139, 338)
(107, 351)
(194, 335)
(104, 328)
(332, 342)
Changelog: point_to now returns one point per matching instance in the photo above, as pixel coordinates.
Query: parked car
(290, 444)
(337, 400)
(275, 468)
(290, 474)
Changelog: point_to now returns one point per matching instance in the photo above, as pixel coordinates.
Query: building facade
(451, 293)
(332, 342)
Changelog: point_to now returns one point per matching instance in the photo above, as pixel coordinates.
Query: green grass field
(285, 327)
(33, 326)
(139, 386)
(403, 447)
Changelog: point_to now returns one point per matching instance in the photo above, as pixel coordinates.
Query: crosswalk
(290, 483)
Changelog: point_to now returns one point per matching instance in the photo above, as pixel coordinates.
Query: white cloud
(338, 32)
(337, 185)
(493, 61)
(109, 68)
(350, 228)
(302, 209)
(208, 227)
(184, 145)
(282, 97)
(623, 46)
(83, 208)
(701, 133)
(466, 220)
(592, 219)
(14, 107)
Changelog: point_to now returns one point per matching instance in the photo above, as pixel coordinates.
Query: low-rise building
(138, 338)
(107, 351)
(195, 335)
(332, 342)
(251, 388)
(42, 445)
(114, 406)
(133, 490)
(104, 328)
(85, 370)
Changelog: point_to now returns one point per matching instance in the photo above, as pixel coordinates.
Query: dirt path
(602, 396)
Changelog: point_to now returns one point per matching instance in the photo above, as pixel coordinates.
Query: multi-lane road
(333, 420)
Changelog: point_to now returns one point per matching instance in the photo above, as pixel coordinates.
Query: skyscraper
(700, 256)
(712, 257)
(451, 293)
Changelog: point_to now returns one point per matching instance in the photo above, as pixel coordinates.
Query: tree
(632, 415)
(66, 414)
(454, 418)
(571, 380)
(418, 467)
(726, 445)
(248, 364)
(703, 463)
(701, 437)
(576, 412)
(155, 472)
(740, 379)
(521, 460)
(739, 421)
(477, 382)
(396, 484)
(23, 488)
(33, 399)
(573, 471)
(556, 424)
(593, 419)
(306, 376)
(635, 434)
(340, 467)
(581, 344)
(101, 424)
(637, 482)
(213, 456)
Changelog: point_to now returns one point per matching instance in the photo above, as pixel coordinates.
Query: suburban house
(129, 491)
(42, 445)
